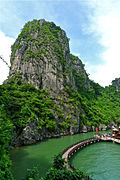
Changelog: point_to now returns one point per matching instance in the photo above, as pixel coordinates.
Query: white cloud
(5, 51)
(105, 25)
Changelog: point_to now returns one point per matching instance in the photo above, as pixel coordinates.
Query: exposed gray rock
(84, 129)
(116, 83)
(45, 62)
(93, 128)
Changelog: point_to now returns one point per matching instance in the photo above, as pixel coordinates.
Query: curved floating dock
(110, 139)
(68, 152)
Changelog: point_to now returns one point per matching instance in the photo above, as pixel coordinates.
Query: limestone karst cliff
(49, 91)
(41, 56)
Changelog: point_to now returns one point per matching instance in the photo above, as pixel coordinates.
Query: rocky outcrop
(41, 56)
(31, 135)
(116, 83)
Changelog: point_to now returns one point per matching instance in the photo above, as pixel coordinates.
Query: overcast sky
(93, 27)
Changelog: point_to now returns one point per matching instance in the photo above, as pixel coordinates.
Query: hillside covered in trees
(48, 92)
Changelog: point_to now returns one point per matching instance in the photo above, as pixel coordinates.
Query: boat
(116, 132)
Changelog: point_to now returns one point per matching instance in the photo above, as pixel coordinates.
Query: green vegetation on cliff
(5, 142)
(48, 92)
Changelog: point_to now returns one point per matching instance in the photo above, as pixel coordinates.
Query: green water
(100, 160)
(41, 154)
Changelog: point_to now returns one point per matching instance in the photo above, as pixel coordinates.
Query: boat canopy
(114, 129)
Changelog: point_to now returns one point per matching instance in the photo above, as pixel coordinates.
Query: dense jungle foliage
(21, 103)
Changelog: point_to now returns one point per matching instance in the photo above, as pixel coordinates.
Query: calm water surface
(42, 154)
(100, 160)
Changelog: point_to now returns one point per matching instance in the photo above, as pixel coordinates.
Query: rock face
(41, 54)
(116, 83)
(41, 57)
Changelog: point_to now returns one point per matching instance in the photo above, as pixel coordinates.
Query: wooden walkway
(110, 139)
(67, 153)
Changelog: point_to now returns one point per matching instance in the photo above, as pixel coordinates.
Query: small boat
(116, 132)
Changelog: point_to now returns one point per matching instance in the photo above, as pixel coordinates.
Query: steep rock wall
(41, 56)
